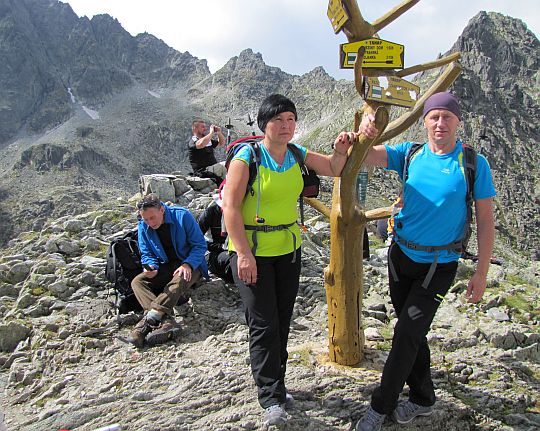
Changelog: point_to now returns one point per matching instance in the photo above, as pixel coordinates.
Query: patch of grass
(387, 332)
(28, 236)
(117, 217)
(515, 280)
(467, 399)
(385, 345)
(521, 304)
(100, 252)
(38, 291)
(376, 242)
(534, 409)
(303, 357)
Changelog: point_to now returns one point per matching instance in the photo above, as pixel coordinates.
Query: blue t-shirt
(434, 210)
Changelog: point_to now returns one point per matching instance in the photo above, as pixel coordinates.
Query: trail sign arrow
(337, 14)
(379, 54)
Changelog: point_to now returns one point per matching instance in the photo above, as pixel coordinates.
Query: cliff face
(49, 56)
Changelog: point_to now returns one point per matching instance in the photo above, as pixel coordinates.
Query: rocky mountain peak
(247, 63)
(502, 49)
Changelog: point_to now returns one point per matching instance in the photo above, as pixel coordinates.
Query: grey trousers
(163, 291)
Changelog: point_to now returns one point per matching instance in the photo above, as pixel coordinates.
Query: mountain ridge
(143, 113)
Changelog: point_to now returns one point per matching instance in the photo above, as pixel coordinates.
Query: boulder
(161, 185)
(11, 334)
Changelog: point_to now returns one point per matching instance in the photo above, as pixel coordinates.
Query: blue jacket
(187, 238)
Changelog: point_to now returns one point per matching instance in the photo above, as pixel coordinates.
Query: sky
(296, 35)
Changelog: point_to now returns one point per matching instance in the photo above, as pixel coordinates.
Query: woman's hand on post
(343, 142)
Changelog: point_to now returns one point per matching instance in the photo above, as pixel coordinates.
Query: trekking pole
(229, 127)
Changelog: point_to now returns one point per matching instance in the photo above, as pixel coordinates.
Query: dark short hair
(149, 201)
(196, 121)
(273, 105)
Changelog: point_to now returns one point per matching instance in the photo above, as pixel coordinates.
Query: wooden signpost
(344, 275)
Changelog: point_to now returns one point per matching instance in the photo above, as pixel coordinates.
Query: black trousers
(268, 308)
(409, 359)
(219, 263)
(203, 173)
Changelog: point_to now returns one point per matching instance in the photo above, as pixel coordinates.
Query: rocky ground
(64, 365)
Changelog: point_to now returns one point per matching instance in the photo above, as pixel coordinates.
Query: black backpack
(123, 265)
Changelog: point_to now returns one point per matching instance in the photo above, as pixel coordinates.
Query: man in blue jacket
(172, 254)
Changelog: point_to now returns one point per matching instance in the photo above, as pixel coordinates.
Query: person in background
(265, 241)
(423, 256)
(201, 149)
(218, 257)
(172, 254)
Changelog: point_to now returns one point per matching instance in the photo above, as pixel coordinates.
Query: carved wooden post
(344, 275)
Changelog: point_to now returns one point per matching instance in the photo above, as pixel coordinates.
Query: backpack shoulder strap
(469, 162)
(253, 143)
(298, 156)
(410, 155)
(254, 163)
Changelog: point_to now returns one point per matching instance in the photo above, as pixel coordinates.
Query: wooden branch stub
(318, 206)
(427, 66)
(378, 213)
(390, 16)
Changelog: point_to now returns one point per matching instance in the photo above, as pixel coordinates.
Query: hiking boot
(145, 326)
(168, 329)
(406, 411)
(275, 415)
(371, 421)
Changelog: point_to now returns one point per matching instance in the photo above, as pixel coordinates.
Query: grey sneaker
(275, 415)
(371, 421)
(406, 411)
(168, 329)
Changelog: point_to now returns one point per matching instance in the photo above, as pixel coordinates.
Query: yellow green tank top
(280, 188)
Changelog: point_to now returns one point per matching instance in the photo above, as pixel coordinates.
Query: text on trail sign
(379, 54)
(337, 14)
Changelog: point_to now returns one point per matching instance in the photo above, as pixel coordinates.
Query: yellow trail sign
(379, 54)
(337, 14)
(390, 90)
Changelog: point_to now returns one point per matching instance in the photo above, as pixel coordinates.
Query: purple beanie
(442, 101)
